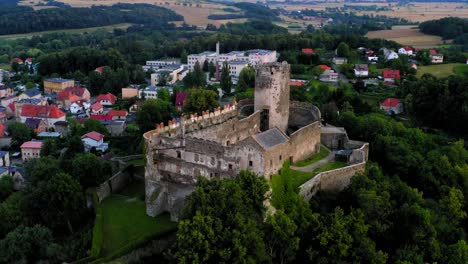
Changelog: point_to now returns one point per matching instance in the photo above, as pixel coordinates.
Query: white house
(361, 70)
(95, 140)
(390, 54)
(392, 106)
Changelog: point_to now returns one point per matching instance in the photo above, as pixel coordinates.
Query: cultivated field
(407, 35)
(414, 11)
(443, 70)
(79, 30)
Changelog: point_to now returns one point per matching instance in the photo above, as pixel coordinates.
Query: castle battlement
(174, 125)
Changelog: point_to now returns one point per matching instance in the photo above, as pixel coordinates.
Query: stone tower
(272, 95)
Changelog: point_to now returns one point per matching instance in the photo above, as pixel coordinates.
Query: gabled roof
(18, 60)
(361, 67)
(432, 52)
(100, 117)
(298, 83)
(308, 51)
(2, 130)
(271, 138)
(32, 144)
(93, 135)
(33, 122)
(41, 111)
(391, 74)
(64, 95)
(96, 106)
(100, 69)
(408, 48)
(390, 102)
(32, 92)
(106, 97)
(76, 90)
(117, 113)
(325, 67)
(180, 98)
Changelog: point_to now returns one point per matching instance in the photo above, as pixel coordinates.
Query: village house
(4, 159)
(5, 140)
(81, 92)
(37, 125)
(65, 99)
(118, 114)
(6, 90)
(150, 92)
(329, 76)
(106, 99)
(79, 107)
(308, 51)
(31, 150)
(297, 82)
(392, 106)
(56, 85)
(180, 100)
(391, 76)
(33, 93)
(130, 92)
(406, 51)
(49, 135)
(339, 60)
(373, 59)
(324, 67)
(390, 54)
(61, 127)
(50, 114)
(97, 108)
(437, 58)
(361, 70)
(7, 101)
(94, 140)
(3, 115)
(135, 106)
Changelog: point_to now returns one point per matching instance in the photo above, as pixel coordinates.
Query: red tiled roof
(109, 97)
(408, 48)
(32, 144)
(432, 52)
(325, 67)
(100, 117)
(2, 130)
(390, 102)
(64, 95)
(180, 98)
(96, 106)
(12, 106)
(100, 69)
(76, 90)
(18, 60)
(93, 135)
(391, 74)
(308, 51)
(41, 111)
(117, 113)
(296, 83)
(29, 59)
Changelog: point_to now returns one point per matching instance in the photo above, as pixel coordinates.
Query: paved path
(313, 166)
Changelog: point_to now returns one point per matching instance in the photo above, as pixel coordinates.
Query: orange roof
(2, 130)
(117, 113)
(64, 95)
(32, 144)
(96, 106)
(106, 97)
(308, 51)
(390, 102)
(296, 83)
(325, 67)
(41, 111)
(93, 135)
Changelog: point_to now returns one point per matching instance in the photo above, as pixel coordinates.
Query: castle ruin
(258, 135)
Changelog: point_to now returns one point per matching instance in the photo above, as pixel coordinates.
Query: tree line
(30, 20)
(447, 28)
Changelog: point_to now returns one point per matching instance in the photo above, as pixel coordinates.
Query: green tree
(195, 78)
(164, 78)
(342, 50)
(89, 170)
(281, 238)
(19, 133)
(199, 100)
(94, 125)
(30, 85)
(211, 69)
(153, 112)
(26, 245)
(42, 169)
(49, 148)
(6, 187)
(183, 56)
(163, 94)
(56, 202)
(12, 213)
(246, 79)
(226, 82)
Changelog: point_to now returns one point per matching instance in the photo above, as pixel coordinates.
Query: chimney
(217, 48)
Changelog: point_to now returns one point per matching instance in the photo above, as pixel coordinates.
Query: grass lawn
(442, 70)
(5, 67)
(322, 154)
(137, 162)
(78, 30)
(125, 221)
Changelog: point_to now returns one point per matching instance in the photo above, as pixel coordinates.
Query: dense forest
(15, 20)
(447, 28)
(250, 11)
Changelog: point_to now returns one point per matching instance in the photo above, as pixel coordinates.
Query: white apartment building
(176, 73)
(158, 64)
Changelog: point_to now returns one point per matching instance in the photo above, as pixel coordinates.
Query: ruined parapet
(272, 94)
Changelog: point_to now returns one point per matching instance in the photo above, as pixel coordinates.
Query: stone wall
(113, 184)
(338, 179)
(305, 142)
(334, 180)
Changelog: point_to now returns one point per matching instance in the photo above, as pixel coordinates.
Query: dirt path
(313, 166)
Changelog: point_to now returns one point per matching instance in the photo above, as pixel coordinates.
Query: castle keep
(258, 135)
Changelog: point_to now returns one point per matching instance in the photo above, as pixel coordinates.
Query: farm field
(443, 70)
(413, 11)
(79, 30)
(407, 35)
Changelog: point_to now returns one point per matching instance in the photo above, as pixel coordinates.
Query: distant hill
(8, 2)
